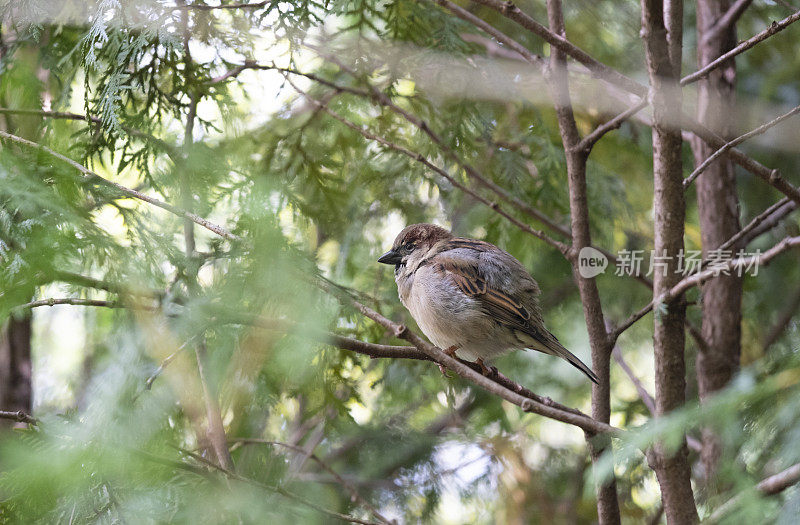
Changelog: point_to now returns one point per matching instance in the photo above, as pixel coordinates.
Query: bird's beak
(390, 257)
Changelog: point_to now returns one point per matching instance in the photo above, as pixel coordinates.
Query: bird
(469, 297)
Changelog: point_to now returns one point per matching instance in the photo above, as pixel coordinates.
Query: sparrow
(469, 297)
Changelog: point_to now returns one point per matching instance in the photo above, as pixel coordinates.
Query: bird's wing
(502, 299)
(501, 302)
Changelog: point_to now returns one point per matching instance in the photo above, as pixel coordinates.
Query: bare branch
(276, 489)
(780, 481)
(492, 31)
(18, 416)
(204, 7)
(774, 28)
(646, 397)
(783, 321)
(97, 179)
(339, 479)
(735, 142)
(768, 486)
(598, 69)
(734, 264)
(698, 278)
(76, 301)
(610, 125)
(773, 215)
(168, 148)
(770, 176)
(662, 34)
(378, 351)
(727, 20)
(558, 84)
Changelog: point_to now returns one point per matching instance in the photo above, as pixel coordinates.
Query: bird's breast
(444, 314)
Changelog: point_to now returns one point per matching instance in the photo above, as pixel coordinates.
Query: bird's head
(414, 239)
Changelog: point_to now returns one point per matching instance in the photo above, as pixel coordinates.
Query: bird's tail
(550, 345)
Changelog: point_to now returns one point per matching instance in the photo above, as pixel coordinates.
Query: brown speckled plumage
(471, 295)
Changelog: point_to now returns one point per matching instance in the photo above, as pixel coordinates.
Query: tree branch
(774, 28)
(558, 83)
(204, 7)
(354, 494)
(610, 125)
(19, 416)
(770, 176)
(571, 417)
(598, 69)
(646, 397)
(768, 487)
(771, 215)
(168, 148)
(378, 351)
(418, 157)
(702, 276)
(727, 20)
(276, 489)
(783, 321)
(215, 432)
(735, 142)
(75, 301)
(97, 179)
(662, 33)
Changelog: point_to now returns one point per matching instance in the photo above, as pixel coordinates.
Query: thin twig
(768, 486)
(774, 28)
(785, 317)
(78, 301)
(758, 219)
(164, 363)
(770, 176)
(354, 494)
(727, 20)
(63, 115)
(698, 278)
(561, 247)
(18, 416)
(735, 142)
(646, 397)
(276, 489)
(95, 178)
(378, 351)
(610, 125)
(597, 68)
(204, 7)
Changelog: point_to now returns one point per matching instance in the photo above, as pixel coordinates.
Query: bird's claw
(450, 351)
(488, 371)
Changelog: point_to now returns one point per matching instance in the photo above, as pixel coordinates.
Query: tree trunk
(15, 367)
(607, 501)
(661, 30)
(16, 390)
(718, 209)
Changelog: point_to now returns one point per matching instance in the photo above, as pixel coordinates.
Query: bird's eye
(408, 246)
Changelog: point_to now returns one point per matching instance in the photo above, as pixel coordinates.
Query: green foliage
(312, 199)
